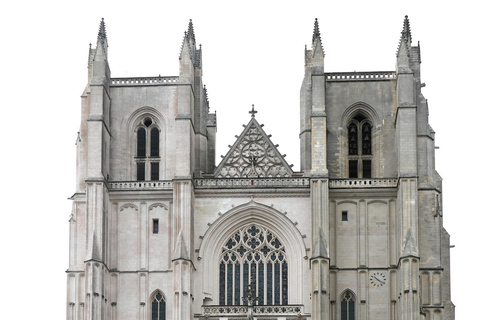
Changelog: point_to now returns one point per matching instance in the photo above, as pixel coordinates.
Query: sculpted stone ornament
(250, 299)
(253, 156)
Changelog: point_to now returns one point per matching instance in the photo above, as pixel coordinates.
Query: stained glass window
(253, 255)
(158, 307)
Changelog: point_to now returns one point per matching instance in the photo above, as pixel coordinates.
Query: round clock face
(378, 279)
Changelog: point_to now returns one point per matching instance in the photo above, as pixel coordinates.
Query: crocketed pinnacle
(191, 33)
(316, 31)
(102, 32)
(406, 33)
(316, 38)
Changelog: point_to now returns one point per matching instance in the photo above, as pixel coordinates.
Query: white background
(253, 53)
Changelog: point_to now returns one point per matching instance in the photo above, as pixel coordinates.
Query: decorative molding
(128, 205)
(158, 205)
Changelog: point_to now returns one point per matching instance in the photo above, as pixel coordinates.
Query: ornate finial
(406, 33)
(253, 111)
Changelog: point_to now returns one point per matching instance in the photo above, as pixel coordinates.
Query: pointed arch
(157, 306)
(146, 137)
(252, 213)
(359, 122)
(347, 305)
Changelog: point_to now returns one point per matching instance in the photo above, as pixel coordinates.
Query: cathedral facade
(159, 231)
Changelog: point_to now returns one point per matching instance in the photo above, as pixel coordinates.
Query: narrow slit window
(155, 226)
(344, 215)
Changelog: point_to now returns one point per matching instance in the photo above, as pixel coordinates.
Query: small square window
(155, 226)
(344, 215)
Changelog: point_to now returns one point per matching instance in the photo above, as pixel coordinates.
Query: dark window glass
(222, 284)
(269, 284)
(367, 168)
(158, 307)
(155, 171)
(344, 215)
(277, 283)
(245, 277)
(237, 283)
(366, 138)
(352, 139)
(154, 143)
(147, 122)
(141, 171)
(352, 169)
(261, 282)
(141, 143)
(229, 284)
(284, 283)
(155, 225)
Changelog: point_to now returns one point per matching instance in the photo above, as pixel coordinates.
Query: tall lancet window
(158, 307)
(253, 255)
(147, 157)
(347, 306)
(359, 147)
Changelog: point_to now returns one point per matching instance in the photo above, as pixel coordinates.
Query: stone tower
(158, 231)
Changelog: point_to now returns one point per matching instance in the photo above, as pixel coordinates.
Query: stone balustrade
(233, 183)
(363, 183)
(141, 185)
(361, 76)
(245, 183)
(143, 81)
(229, 311)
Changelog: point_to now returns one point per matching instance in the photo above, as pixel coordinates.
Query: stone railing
(361, 76)
(141, 185)
(226, 311)
(242, 183)
(143, 81)
(363, 183)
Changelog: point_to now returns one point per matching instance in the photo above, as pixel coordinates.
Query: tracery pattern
(253, 255)
(254, 156)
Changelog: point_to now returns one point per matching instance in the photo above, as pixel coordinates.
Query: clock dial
(378, 279)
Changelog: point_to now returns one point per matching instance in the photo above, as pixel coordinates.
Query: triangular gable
(253, 156)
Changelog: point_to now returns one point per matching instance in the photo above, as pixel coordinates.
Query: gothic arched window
(253, 255)
(147, 157)
(347, 306)
(359, 147)
(158, 307)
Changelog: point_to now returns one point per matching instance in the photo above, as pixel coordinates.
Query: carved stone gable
(253, 156)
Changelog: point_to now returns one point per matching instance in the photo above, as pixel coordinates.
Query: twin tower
(159, 231)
